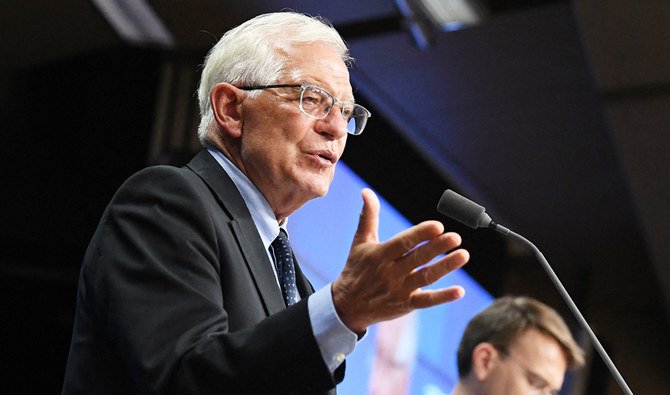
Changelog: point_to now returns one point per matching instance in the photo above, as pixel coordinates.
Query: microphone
(463, 210)
(473, 215)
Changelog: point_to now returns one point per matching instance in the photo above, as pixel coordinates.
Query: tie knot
(281, 246)
(282, 237)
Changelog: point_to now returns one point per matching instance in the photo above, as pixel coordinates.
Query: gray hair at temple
(509, 317)
(256, 52)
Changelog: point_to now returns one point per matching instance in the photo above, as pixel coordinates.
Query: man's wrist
(334, 338)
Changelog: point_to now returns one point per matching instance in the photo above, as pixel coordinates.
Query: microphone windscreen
(463, 210)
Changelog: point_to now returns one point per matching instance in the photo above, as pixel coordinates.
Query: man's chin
(318, 185)
(316, 191)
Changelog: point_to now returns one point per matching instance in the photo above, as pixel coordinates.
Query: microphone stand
(568, 300)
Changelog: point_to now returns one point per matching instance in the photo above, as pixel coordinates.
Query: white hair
(256, 52)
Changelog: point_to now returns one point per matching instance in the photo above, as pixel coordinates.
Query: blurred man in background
(516, 346)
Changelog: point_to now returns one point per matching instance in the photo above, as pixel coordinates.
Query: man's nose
(334, 124)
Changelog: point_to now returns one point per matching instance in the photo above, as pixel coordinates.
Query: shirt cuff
(335, 340)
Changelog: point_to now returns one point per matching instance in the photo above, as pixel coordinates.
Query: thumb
(368, 223)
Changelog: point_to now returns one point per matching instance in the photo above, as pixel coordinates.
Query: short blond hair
(509, 317)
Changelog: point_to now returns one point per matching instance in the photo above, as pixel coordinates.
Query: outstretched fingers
(405, 241)
(381, 281)
(426, 252)
(421, 299)
(431, 273)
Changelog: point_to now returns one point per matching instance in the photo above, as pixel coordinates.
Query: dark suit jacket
(176, 295)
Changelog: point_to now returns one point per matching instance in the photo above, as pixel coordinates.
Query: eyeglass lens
(318, 103)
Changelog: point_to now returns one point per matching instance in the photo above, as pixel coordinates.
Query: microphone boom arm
(568, 300)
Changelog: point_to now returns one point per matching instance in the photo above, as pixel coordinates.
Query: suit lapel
(243, 228)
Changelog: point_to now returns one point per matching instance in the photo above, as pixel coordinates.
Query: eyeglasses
(318, 102)
(539, 385)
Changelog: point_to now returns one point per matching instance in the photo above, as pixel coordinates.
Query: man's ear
(226, 101)
(483, 360)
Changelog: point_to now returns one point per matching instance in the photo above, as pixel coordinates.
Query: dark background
(552, 114)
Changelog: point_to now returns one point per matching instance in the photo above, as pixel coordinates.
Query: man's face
(287, 154)
(534, 364)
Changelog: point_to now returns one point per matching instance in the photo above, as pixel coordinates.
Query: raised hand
(381, 281)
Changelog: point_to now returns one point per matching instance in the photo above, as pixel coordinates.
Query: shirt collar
(261, 212)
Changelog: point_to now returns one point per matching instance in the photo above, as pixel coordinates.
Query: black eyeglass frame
(358, 113)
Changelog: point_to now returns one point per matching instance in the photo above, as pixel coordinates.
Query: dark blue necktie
(285, 268)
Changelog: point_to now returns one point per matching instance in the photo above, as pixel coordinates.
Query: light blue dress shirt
(335, 340)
